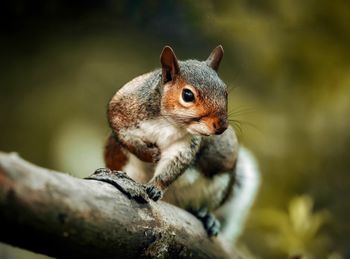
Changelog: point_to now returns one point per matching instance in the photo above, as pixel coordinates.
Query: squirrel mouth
(197, 132)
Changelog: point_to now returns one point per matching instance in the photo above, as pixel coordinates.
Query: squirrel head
(193, 95)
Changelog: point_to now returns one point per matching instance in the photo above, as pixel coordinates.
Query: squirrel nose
(220, 130)
(220, 127)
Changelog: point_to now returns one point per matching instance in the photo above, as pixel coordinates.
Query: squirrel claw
(210, 223)
(153, 192)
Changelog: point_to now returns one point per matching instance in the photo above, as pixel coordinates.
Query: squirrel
(170, 132)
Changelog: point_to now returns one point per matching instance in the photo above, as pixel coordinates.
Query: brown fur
(114, 155)
(172, 93)
(198, 109)
(171, 102)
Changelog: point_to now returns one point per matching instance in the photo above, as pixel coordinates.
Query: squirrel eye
(187, 95)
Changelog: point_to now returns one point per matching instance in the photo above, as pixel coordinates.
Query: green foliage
(296, 231)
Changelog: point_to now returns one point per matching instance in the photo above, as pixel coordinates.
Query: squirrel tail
(244, 193)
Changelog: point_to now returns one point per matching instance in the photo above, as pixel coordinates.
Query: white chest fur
(159, 131)
(192, 188)
(169, 138)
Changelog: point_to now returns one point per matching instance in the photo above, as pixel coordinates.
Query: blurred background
(287, 63)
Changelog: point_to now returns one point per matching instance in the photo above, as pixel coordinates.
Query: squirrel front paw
(122, 182)
(153, 192)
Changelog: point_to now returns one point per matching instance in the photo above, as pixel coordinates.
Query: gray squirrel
(170, 132)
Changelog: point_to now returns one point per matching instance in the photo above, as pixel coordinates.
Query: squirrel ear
(215, 57)
(170, 66)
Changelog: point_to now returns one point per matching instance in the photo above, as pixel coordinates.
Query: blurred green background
(287, 62)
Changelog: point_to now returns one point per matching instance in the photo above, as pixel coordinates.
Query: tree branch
(62, 216)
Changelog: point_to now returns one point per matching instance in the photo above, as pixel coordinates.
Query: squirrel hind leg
(114, 155)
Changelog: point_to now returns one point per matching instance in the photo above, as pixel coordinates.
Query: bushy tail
(245, 190)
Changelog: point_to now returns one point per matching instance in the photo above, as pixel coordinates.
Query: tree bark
(62, 216)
